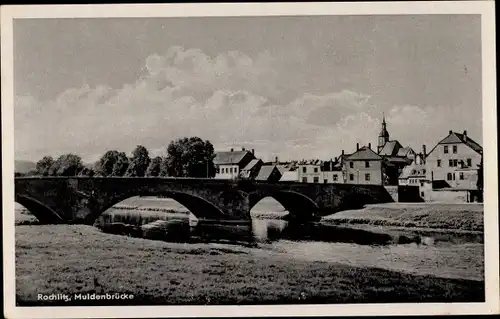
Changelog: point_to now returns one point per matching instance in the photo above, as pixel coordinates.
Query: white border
(485, 8)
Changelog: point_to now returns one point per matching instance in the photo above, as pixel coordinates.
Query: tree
(139, 162)
(112, 163)
(106, 163)
(190, 157)
(86, 171)
(164, 167)
(67, 165)
(121, 164)
(154, 167)
(44, 166)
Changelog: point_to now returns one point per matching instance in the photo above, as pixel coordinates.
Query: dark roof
(390, 148)
(226, 158)
(454, 138)
(265, 172)
(397, 160)
(470, 142)
(364, 153)
(252, 164)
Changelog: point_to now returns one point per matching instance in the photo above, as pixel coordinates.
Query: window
(367, 164)
(304, 179)
(446, 149)
(455, 163)
(315, 169)
(439, 163)
(455, 149)
(423, 171)
(335, 177)
(316, 179)
(231, 170)
(469, 162)
(461, 176)
(453, 176)
(351, 164)
(325, 181)
(450, 163)
(351, 177)
(421, 194)
(367, 177)
(304, 169)
(448, 177)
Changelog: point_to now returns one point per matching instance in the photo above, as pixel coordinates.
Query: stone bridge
(83, 199)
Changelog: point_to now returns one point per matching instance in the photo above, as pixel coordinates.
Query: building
(228, 165)
(364, 166)
(453, 162)
(252, 169)
(309, 171)
(415, 174)
(395, 156)
(269, 173)
(332, 172)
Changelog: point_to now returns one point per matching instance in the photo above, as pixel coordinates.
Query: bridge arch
(42, 212)
(299, 206)
(198, 206)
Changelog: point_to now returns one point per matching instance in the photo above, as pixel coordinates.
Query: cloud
(231, 99)
(417, 125)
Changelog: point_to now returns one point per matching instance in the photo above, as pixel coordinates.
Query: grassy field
(71, 258)
(464, 217)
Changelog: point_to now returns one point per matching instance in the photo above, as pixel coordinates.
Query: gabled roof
(390, 148)
(289, 176)
(265, 172)
(470, 142)
(364, 153)
(404, 151)
(252, 164)
(454, 138)
(227, 158)
(413, 170)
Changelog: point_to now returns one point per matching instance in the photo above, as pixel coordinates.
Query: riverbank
(74, 258)
(458, 217)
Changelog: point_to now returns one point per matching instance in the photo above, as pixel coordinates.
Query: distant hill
(24, 166)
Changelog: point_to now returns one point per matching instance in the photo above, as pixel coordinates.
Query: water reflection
(268, 230)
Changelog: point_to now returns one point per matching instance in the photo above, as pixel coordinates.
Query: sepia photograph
(287, 159)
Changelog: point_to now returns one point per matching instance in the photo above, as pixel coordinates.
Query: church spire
(383, 137)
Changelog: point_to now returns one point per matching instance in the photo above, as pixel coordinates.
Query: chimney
(370, 145)
(232, 149)
(424, 151)
(450, 132)
(253, 151)
(243, 149)
(357, 146)
(276, 159)
(342, 152)
(465, 135)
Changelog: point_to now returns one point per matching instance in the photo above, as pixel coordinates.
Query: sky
(297, 87)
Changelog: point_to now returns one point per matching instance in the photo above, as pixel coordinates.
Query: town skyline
(294, 91)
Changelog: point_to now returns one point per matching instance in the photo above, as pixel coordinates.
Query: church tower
(383, 137)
